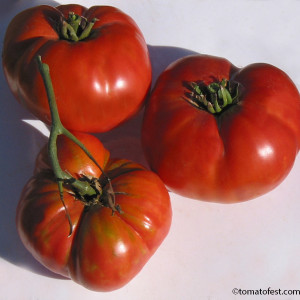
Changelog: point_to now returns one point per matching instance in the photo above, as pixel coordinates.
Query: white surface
(211, 248)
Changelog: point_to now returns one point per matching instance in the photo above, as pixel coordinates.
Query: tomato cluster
(211, 131)
(84, 215)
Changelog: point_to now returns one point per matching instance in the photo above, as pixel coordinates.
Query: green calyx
(214, 97)
(76, 28)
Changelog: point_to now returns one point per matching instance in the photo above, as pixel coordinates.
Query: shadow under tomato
(20, 144)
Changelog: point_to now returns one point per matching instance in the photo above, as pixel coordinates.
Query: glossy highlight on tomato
(106, 248)
(219, 133)
(99, 63)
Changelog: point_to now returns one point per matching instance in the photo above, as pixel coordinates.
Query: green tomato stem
(82, 188)
(58, 129)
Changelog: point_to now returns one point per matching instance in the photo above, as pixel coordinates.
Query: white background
(211, 248)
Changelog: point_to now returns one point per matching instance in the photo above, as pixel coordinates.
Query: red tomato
(99, 81)
(105, 250)
(235, 154)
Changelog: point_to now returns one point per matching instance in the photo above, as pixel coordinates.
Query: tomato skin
(99, 82)
(105, 251)
(238, 155)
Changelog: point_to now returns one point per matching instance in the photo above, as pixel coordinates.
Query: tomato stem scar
(214, 97)
(76, 28)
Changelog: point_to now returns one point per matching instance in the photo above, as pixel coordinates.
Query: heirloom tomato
(114, 233)
(99, 62)
(219, 133)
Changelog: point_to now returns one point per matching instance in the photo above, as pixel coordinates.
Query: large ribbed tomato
(111, 239)
(216, 132)
(99, 61)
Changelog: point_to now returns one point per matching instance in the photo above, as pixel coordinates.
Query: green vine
(88, 190)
